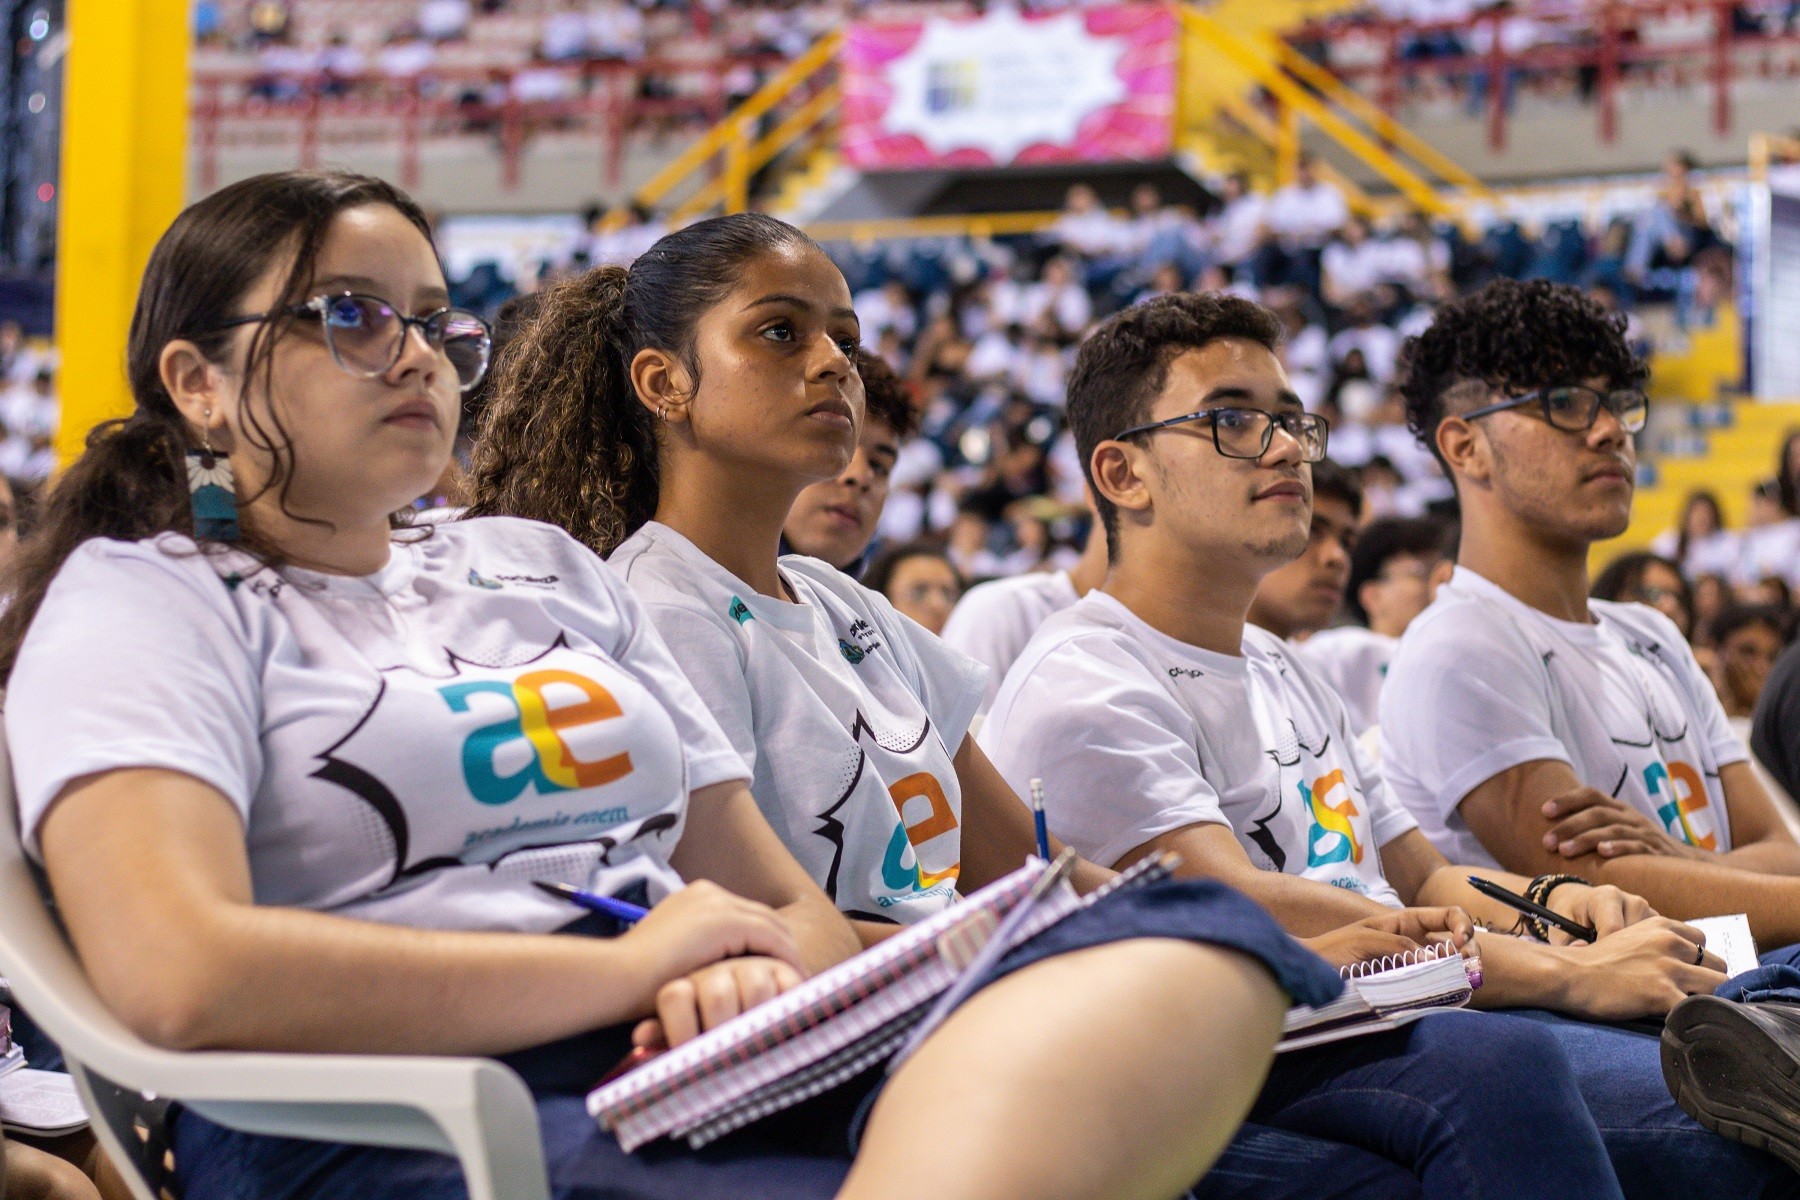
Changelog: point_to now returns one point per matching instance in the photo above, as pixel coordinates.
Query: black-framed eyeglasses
(1247, 432)
(366, 335)
(1574, 409)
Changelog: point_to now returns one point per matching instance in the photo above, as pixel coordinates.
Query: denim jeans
(1476, 1106)
(1658, 1151)
(585, 1163)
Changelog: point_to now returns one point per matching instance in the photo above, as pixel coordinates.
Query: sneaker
(1735, 1068)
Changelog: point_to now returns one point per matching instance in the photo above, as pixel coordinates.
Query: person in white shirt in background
(1306, 212)
(1363, 330)
(994, 620)
(1305, 348)
(1351, 264)
(886, 307)
(1086, 228)
(564, 37)
(1699, 544)
(615, 31)
(837, 519)
(1159, 720)
(1241, 223)
(444, 20)
(1058, 296)
(1396, 566)
(30, 412)
(1528, 726)
(1770, 542)
(405, 55)
(721, 384)
(1303, 596)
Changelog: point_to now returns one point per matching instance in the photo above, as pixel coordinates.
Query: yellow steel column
(124, 176)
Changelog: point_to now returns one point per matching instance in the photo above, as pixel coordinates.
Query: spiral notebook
(836, 1024)
(1384, 994)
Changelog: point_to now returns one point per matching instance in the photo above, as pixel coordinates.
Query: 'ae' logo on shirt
(738, 611)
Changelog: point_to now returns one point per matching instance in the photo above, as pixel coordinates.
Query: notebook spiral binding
(1393, 962)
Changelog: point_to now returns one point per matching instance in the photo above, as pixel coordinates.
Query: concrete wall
(558, 172)
(1548, 138)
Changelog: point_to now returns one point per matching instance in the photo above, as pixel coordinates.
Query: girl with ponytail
(668, 416)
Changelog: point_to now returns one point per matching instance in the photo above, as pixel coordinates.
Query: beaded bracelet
(1538, 892)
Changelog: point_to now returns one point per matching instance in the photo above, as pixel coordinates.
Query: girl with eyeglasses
(293, 770)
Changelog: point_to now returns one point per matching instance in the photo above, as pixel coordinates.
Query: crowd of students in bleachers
(318, 751)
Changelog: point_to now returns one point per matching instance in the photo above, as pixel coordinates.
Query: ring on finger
(1700, 954)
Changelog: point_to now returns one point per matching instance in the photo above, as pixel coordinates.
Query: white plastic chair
(473, 1108)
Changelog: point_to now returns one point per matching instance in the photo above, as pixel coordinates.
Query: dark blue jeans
(1438, 1109)
(1658, 1151)
(1476, 1106)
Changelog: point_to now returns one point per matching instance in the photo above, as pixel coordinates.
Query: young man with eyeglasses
(1529, 727)
(1158, 720)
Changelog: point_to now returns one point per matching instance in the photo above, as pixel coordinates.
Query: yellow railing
(1262, 67)
(734, 137)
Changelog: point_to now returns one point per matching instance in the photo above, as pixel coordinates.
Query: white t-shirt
(993, 622)
(1354, 661)
(848, 713)
(1136, 734)
(414, 746)
(1484, 682)
(1715, 554)
(1307, 216)
(1770, 550)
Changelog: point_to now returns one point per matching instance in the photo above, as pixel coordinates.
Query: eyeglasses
(1247, 432)
(1574, 409)
(366, 335)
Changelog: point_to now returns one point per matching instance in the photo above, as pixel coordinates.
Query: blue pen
(1037, 819)
(620, 909)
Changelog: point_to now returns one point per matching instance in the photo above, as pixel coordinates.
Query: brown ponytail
(566, 440)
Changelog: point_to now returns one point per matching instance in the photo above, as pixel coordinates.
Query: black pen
(1513, 899)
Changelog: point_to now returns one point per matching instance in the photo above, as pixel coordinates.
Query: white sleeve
(713, 663)
(711, 756)
(1115, 751)
(134, 659)
(1463, 701)
(950, 684)
(981, 627)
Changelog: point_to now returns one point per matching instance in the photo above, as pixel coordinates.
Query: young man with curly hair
(1529, 727)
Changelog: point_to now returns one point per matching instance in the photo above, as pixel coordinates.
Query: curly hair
(889, 399)
(566, 440)
(1513, 337)
(1121, 368)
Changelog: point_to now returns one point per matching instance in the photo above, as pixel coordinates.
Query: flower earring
(213, 493)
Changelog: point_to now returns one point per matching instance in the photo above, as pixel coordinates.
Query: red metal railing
(607, 100)
(1605, 42)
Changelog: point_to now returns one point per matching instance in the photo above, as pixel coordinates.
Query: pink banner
(1096, 85)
